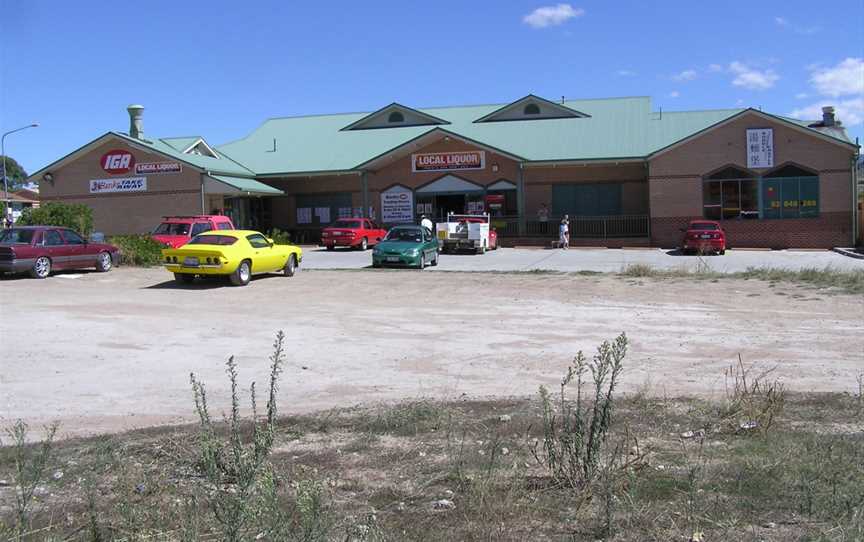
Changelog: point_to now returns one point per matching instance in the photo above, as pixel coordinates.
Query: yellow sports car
(236, 253)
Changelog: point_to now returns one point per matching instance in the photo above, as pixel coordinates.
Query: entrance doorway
(446, 204)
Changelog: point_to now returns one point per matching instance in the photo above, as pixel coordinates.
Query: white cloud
(715, 68)
(552, 15)
(686, 75)
(674, 94)
(783, 22)
(752, 78)
(801, 95)
(850, 111)
(626, 73)
(844, 79)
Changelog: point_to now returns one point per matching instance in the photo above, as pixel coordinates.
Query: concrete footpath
(603, 260)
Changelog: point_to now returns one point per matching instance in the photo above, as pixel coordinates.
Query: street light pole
(5, 177)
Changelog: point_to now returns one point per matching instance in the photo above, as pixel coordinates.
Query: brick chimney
(136, 124)
(828, 116)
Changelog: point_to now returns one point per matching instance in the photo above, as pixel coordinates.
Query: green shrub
(76, 216)
(279, 237)
(139, 250)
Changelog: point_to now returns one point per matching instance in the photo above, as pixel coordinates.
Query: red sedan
(353, 233)
(703, 236)
(40, 250)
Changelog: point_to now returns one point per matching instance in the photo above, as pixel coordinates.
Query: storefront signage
(448, 161)
(397, 205)
(128, 184)
(117, 162)
(150, 168)
(760, 147)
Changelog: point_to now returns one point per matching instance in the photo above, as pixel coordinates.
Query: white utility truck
(466, 232)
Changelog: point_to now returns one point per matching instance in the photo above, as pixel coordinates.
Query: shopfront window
(729, 194)
(790, 192)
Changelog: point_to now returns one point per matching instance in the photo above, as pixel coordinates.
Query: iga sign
(157, 167)
(448, 161)
(128, 184)
(760, 147)
(397, 205)
(117, 162)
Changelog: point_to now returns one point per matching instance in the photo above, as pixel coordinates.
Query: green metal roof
(223, 164)
(617, 128)
(181, 143)
(247, 185)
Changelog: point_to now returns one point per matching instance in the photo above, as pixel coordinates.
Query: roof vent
(136, 124)
(828, 116)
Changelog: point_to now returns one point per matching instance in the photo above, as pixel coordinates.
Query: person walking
(426, 223)
(564, 232)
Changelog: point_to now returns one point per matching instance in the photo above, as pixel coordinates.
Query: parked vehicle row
(208, 245)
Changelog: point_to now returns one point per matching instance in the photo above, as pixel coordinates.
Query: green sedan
(412, 246)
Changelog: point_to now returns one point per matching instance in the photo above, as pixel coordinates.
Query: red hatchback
(703, 236)
(40, 250)
(353, 233)
(176, 231)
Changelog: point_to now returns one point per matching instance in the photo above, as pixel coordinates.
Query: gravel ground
(113, 351)
(586, 259)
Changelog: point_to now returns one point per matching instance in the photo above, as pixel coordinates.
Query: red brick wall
(675, 187)
(826, 231)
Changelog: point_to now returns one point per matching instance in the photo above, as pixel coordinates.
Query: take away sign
(448, 161)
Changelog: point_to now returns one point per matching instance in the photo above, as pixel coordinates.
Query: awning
(238, 186)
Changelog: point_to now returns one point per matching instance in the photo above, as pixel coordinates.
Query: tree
(17, 175)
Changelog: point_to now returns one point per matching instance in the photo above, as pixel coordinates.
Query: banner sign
(397, 205)
(760, 147)
(117, 162)
(448, 161)
(128, 184)
(150, 168)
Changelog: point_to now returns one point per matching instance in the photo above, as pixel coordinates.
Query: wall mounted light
(495, 167)
(49, 178)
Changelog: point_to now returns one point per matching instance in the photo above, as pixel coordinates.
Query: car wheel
(376, 265)
(722, 251)
(331, 247)
(103, 262)
(435, 260)
(364, 244)
(290, 266)
(41, 267)
(184, 278)
(241, 275)
(422, 262)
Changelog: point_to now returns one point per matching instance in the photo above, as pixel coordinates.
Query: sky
(219, 69)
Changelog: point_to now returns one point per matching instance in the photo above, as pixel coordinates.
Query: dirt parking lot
(108, 352)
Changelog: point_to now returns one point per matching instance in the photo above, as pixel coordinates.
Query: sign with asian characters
(448, 161)
(127, 184)
(760, 147)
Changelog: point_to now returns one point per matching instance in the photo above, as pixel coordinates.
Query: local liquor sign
(127, 184)
(149, 168)
(448, 161)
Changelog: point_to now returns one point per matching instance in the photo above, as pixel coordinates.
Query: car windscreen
(703, 226)
(217, 240)
(345, 224)
(411, 235)
(172, 228)
(17, 237)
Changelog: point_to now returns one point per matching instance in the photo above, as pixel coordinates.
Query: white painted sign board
(397, 205)
(760, 147)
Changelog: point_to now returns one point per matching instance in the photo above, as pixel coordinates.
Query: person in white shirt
(426, 223)
(564, 232)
